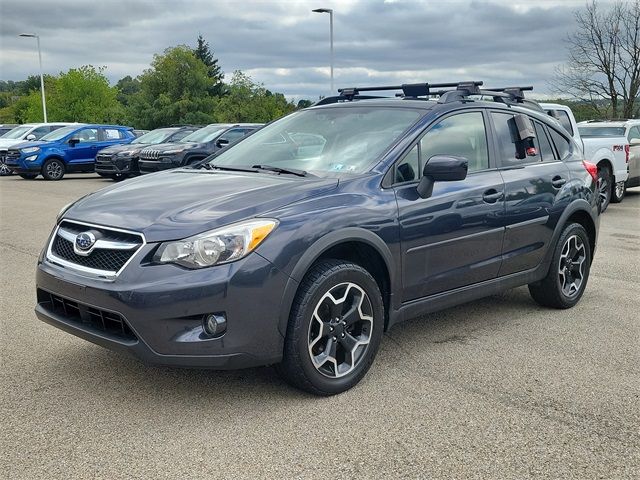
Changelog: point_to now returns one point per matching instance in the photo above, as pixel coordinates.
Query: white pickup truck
(609, 152)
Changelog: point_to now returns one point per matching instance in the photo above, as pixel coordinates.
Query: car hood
(127, 147)
(25, 144)
(9, 142)
(183, 202)
(162, 147)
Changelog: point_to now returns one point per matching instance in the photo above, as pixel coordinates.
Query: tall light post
(44, 103)
(330, 12)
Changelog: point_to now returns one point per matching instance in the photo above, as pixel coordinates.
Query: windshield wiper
(209, 166)
(292, 171)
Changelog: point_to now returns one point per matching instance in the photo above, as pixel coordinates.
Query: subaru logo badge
(85, 240)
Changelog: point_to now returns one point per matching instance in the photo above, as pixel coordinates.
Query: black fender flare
(575, 206)
(352, 234)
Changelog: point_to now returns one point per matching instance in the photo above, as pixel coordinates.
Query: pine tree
(204, 53)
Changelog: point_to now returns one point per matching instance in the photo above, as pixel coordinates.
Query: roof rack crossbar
(408, 89)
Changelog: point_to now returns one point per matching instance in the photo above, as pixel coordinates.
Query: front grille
(12, 155)
(112, 249)
(94, 318)
(150, 154)
(104, 162)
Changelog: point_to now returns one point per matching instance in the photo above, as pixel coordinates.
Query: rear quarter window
(563, 146)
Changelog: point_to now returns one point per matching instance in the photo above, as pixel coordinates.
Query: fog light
(215, 324)
(31, 158)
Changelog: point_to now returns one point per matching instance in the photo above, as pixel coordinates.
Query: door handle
(558, 181)
(492, 195)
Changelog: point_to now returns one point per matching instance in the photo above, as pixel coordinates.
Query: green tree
(304, 103)
(247, 101)
(176, 89)
(204, 53)
(127, 87)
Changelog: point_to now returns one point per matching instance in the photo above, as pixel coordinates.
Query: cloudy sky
(282, 44)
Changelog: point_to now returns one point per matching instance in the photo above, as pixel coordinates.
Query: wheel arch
(53, 156)
(356, 245)
(579, 212)
(605, 162)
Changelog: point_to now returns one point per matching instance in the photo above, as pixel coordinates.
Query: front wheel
(619, 189)
(604, 187)
(53, 169)
(569, 271)
(335, 327)
(4, 170)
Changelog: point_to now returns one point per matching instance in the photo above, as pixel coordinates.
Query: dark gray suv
(300, 245)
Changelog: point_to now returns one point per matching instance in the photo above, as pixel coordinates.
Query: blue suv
(69, 149)
(300, 245)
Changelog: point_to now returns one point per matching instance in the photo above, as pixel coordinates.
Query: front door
(85, 150)
(454, 237)
(535, 178)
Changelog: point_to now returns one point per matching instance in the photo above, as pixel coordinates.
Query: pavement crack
(18, 249)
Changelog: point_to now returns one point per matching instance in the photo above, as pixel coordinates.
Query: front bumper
(163, 307)
(162, 163)
(117, 165)
(21, 165)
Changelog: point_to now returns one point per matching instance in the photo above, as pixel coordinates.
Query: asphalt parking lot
(498, 388)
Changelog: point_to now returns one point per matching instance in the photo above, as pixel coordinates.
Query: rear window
(601, 131)
(565, 121)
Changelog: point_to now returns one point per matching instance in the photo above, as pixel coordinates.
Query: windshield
(205, 134)
(321, 141)
(16, 133)
(601, 131)
(59, 134)
(156, 136)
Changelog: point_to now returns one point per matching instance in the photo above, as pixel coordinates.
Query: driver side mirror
(441, 168)
(222, 142)
(73, 141)
(31, 137)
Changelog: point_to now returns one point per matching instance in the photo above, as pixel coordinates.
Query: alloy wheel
(571, 267)
(4, 170)
(604, 190)
(340, 330)
(54, 170)
(619, 189)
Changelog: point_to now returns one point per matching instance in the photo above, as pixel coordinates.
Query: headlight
(216, 247)
(126, 153)
(30, 150)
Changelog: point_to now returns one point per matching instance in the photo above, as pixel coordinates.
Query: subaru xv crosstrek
(300, 245)
(70, 149)
(121, 161)
(194, 147)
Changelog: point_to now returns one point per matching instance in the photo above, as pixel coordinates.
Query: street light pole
(44, 102)
(330, 12)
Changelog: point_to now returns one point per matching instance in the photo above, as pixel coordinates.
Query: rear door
(454, 237)
(535, 178)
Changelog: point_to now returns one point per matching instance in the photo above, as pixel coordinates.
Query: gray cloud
(285, 46)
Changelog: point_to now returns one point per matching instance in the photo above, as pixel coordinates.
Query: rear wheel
(53, 169)
(619, 189)
(604, 186)
(334, 330)
(569, 271)
(28, 176)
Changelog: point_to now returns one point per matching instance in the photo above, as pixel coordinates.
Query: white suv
(24, 133)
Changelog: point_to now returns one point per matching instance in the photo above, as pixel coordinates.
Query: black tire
(118, 177)
(325, 278)
(551, 291)
(53, 169)
(105, 175)
(28, 176)
(618, 191)
(605, 186)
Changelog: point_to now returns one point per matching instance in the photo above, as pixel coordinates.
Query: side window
(546, 150)
(461, 135)
(112, 134)
(511, 149)
(87, 135)
(40, 132)
(634, 132)
(563, 146)
(234, 134)
(53, 128)
(408, 169)
(565, 121)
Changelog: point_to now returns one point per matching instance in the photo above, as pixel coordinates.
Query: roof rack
(408, 89)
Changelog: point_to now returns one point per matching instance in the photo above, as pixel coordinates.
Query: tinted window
(601, 131)
(634, 133)
(234, 134)
(87, 135)
(546, 150)
(565, 121)
(461, 135)
(408, 170)
(563, 146)
(511, 150)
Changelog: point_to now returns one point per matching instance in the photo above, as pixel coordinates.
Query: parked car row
(113, 151)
